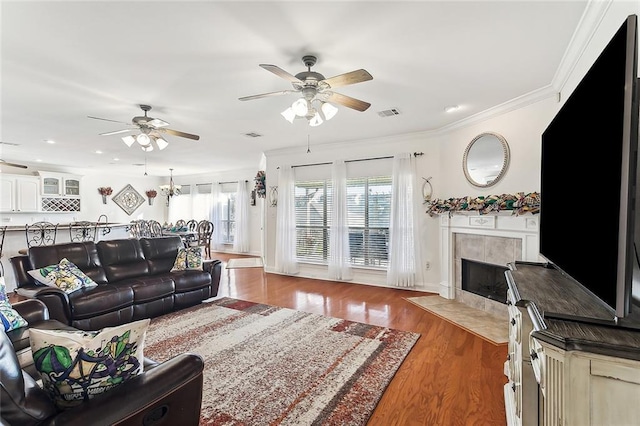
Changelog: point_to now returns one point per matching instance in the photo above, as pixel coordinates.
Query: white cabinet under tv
(561, 372)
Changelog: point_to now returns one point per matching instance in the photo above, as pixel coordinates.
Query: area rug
(266, 365)
(245, 262)
(483, 324)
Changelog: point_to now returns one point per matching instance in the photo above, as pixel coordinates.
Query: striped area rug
(266, 365)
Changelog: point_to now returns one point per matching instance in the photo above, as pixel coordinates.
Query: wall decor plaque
(128, 199)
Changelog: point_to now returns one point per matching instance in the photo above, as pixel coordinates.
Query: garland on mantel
(518, 203)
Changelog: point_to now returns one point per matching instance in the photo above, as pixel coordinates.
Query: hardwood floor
(450, 377)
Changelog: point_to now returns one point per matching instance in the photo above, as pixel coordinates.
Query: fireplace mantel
(523, 227)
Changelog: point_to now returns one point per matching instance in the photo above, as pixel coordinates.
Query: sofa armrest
(214, 267)
(32, 310)
(56, 300)
(168, 394)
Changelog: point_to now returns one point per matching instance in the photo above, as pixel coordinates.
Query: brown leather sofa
(133, 275)
(169, 393)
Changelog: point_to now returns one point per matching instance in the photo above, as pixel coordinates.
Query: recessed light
(116, 159)
(50, 141)
(98, 152)
(452, 108)
(38, 160)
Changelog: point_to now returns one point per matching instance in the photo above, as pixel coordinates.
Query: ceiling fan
(317, 95)
(150, 129)
(5, 163)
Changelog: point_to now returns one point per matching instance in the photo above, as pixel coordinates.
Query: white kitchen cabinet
(60, 192)
(60, 184)
(19, 193)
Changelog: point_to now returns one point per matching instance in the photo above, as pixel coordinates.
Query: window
(228, 215)
(313, 213)
(369, 215)
(368, 211)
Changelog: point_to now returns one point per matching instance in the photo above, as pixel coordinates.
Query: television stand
(569, 368)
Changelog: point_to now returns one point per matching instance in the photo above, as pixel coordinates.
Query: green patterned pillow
(190, 258)
(77, 365)
(65, 275)
(10, 318)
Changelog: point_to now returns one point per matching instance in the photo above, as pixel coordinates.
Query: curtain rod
(415, 154)
(231, 181)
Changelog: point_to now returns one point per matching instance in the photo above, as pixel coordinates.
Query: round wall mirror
(486, 159)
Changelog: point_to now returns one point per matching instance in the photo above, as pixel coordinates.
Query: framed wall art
(128, 199)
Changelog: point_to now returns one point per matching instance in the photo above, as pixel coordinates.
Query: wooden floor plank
(451, 377)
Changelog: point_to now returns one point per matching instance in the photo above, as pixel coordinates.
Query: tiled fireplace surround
(494, 238)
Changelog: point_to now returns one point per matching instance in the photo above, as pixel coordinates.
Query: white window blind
(313, 213)
(369, 210)
(369, 214)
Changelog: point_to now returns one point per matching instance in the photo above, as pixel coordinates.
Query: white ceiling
(63, 61)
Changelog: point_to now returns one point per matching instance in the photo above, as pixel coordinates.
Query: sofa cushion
(160, 252)
(89, 302)
(10, 318)
(65, 275)
(77, 365)
(146, 289)
(84, 255)
(122, 259)
(189, 258)
(190, 280)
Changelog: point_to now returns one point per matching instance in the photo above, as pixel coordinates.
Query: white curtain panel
(339, 266)
(285, 261)
(241, 241)
(214, 216)
(404, 247)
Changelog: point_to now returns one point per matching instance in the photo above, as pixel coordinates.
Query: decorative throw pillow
(10, 318)
(190, 258)
(65, 275)
(77, 365)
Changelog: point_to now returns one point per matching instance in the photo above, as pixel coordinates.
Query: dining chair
(41, 233)
(205, 231)
(180, 224)
(82, 231)
(155, 228)
(192, 225)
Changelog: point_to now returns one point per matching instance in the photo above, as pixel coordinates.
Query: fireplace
(495, 239)
(484, 279)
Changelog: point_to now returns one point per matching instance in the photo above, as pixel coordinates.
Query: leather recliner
(134, 280)
(168, 393)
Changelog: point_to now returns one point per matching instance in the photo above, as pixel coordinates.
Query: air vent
(9, 144)
(253, 135)
(389, 112)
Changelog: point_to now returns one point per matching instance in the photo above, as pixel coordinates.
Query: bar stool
(40, 234)
(82, 231)
(3, 230)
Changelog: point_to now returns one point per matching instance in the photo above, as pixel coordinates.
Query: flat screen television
(589, 223)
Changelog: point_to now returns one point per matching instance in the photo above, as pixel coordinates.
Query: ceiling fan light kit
(315, 91)
(150, 129)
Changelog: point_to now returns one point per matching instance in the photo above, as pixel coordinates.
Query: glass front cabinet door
(72, 187)
(51, 185)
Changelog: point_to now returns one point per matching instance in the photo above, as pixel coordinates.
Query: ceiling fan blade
(22, 166)
(345, 79)
(264, 95)
(348, 101)
(115, 132)
(281, 73)
(106, 119)
(179, 133)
